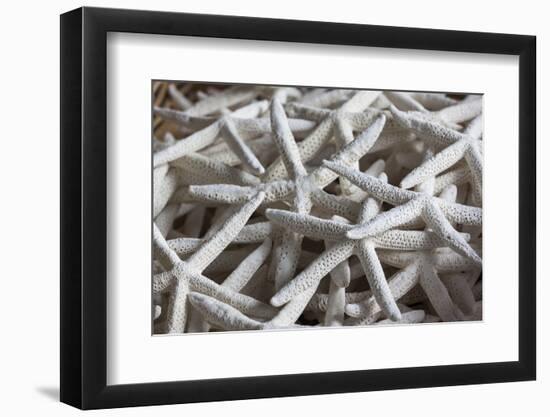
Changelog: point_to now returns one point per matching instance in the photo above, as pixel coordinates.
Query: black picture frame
(84, 207)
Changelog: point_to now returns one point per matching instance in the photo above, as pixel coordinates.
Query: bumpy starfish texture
(290, 207)
(422, 270)
(345, 247)
(458, 146)
(409, 205)
(187, 275)
(341, 122)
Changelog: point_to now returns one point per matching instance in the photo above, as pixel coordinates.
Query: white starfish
(195, 168)
(186, 275)
(179, 98)
(433, 101)
(229, 240)
(234, 129)
(287, 251)
(226, 126)
(364, 248)
(422, 270)
(308, 186)
(458, 145)
(340, 278)
(409, 206)
(222, 100)
(251, 233)
(352, 115)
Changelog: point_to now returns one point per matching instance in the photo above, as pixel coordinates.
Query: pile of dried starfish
(283, 207)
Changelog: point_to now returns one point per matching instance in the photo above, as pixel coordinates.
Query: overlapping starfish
(273, 209)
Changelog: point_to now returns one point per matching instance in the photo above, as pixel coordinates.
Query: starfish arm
(475, 163)
(436, 220)
(410, 240)
(228, 260)
(320, 98)
(166, 256)
(192, 143)
(344, 134)
(221, 215)
(312, 275)
(404, 101)
(358, 147)
(165, 219)
(254, 233)
(457, 176)
(433, 101)
(262, 146)
(252, 110)
(278, 190)
(369, 209)
(182, 118)
(453, 262)
(248, 267)
(436, 292)
(460, 213)
(308, 148)
(367, 311)
(288, 315)
(162, 281)
(334, 204)
(248, 305)
(449, 193)
(185, 245)
(284, 140)
(461, 112)
(375, 187)
(234, 141)
(435, 165)
(213, 172)
(251, 128)
(475, 128)
(308, 225)
(285, 257)
(370, 206)
(360, 101)
(377, 279)
(444, 260)
(397, 259)
(410, 317)
(308, 112)
(350, 154)
(179, 98)
(222, 315)
(426, 129)
(460, 291)
(225, 99)
(376, 169)
(195, 321)
(392, 138)
(210, 249)
(320, 301)
(334, 315)
(165, 183)
(221, 193)
(177, 307)
(361, 121)
(284, 94)
(387, 220)
(341, 274)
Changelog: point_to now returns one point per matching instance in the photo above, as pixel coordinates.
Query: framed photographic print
(258, 208)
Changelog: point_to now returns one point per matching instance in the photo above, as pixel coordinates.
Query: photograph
(297, 207)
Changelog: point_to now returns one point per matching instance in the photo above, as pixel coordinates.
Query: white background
(30, 237)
